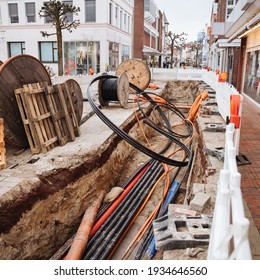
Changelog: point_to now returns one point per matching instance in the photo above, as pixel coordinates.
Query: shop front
(81, 57)
(252, 66)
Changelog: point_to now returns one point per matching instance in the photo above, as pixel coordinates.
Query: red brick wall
(160, 31)
(221, 15)
(138, 29)
(235, 68)
(146, 39)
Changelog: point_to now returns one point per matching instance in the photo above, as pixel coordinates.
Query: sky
(189, 16)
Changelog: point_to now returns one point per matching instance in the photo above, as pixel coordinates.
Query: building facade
(150, 29)
(235, 44)
(102, 40)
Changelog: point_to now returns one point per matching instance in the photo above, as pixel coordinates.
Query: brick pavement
(250, 147)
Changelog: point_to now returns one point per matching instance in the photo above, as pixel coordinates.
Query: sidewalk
(250, 174)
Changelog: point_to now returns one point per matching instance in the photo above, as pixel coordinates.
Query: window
(90, 51)
(110, 13)
(252, 75)
(125, 52)
(47, 19)
(116, 12)
(230, 2)
(116, 15)
(113, 55)
(147, 5)
(30, 11)
(229, 11)
(121, 19)
(90, 10)
(15, 48)
(128, 26)
(69, 15)
(48, 52)
(13, 13)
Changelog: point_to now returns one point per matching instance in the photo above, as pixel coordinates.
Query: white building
(104, 35)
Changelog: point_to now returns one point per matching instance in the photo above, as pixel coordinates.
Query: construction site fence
(229, 232)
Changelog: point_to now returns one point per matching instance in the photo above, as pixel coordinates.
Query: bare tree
(177, 42)
(57, 13)
(196, 47)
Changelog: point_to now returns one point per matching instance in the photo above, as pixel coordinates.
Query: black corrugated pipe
(129, 201)
(126, 218)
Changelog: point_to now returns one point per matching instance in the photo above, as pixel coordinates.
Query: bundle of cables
(116, 218)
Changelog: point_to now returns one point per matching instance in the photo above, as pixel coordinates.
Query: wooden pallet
(48, 115)
(36, 118)
(60, 114)
(71, 108)
(2, 146)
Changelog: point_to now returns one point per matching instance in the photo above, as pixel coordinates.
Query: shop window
(113, 55)
(125, 52)
(79, 57)
(15, 48)
(48, 52)
(252, 75)
(13, 13)
(90, 10)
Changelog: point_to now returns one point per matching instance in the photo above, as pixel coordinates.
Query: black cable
(125, 136)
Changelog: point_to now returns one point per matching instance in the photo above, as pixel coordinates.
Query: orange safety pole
(234, 109)
(196, 105)
(81, 238)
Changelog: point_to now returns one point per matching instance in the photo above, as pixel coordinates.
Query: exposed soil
(60, 197)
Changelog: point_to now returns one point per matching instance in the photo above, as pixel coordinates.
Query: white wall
(100, 31)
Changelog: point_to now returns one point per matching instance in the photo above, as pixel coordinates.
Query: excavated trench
(40, 214)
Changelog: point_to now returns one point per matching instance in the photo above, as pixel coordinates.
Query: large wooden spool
(14, 73)
(77, 98)
(137, 72)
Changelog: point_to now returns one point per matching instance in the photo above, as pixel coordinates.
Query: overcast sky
(189, 16)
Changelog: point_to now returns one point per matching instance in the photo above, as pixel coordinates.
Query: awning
(151, 51)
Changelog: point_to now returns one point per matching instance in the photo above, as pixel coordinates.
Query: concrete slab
(200, 201)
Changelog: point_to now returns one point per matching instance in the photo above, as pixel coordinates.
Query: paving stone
(200, 201)
(198, 188)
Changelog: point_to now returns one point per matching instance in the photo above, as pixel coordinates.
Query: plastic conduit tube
(114, 205)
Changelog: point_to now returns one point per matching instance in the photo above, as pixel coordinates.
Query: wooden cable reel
(77, 98)
(137, 72)
(14, 73)
(114, 89)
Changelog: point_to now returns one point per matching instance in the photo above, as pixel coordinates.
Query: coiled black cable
(127, 137)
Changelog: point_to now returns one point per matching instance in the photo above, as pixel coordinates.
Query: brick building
(150, 27)
(235, 44)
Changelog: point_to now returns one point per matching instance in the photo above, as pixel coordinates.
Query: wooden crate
(2, 146)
